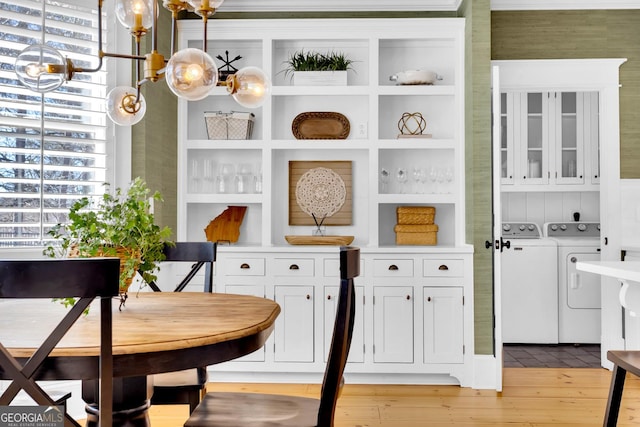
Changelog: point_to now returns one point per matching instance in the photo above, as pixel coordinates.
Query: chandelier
(190, 73)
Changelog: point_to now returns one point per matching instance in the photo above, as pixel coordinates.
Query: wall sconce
(190, 73)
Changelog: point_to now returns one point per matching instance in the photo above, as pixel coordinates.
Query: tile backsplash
(541, 207)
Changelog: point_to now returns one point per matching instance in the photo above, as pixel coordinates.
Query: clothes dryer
(578, 292)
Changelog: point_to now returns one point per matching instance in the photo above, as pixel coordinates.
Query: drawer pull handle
(245, 266)
(308, 296)
(428, 299)
(328, 297)
(408, 297)
(294, 267)
(393, 267)
(443, 267)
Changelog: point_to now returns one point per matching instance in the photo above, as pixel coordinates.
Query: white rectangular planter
(319, 78)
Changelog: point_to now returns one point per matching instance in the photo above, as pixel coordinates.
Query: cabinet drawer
(244, 266)
(393, 267)
(298, 267)
(443, 268)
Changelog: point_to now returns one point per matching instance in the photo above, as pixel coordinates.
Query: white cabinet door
(568, 135)
(443, 325)
(393, 324)
(356, 352)
(257, 291)
(293, 333)
(509, 110)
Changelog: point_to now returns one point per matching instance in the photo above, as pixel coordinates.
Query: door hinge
(462, 299)
(464, 349)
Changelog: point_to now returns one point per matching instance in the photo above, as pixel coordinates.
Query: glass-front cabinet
(549, 139)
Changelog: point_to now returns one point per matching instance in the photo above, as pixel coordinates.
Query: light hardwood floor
(531, 397)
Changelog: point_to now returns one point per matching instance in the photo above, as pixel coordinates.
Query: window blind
(52, 145)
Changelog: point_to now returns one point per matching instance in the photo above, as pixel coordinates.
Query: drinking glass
(384, 180)
(415, 174)
(448, 176)
(433, 176)
(244, 178)
(225, 178)
(401, 177)
(194, 176)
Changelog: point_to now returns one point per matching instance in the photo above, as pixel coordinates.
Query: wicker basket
(416, 234)
(416, 214)
(234, 125)
(120, 252)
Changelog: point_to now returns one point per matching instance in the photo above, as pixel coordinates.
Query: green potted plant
(119, 225)
(315, 68)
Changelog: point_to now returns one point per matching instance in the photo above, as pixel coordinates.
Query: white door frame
(601, 75)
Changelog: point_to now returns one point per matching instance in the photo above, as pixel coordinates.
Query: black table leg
(131, 396)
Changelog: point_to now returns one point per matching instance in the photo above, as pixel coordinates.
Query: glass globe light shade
(122, 108)
(191, 74)
(135, 13)
(212, 3)
(250, 87)
(41, 68)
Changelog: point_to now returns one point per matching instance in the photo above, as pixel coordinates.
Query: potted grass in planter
(318, 69)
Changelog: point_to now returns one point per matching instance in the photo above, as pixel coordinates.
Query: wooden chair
(254, 409)
(623, 362)
(188, 386)
(84, 278)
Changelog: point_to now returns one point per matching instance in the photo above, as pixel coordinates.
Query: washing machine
(578, 292)
(529, 285)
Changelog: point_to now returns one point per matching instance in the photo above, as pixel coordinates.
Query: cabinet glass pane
(503, 132)
(534, 103)
(569, 161)
(569, 103)
(569, 131)
(534, 164)
(503, 168)
(534, 132)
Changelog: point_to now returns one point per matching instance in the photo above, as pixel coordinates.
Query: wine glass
(194, 176)
(225, 178)
(384, 180)
(244, 177)
(448, 176)
(415, 174)
(401, 177)
(440, 180)
(433, 176)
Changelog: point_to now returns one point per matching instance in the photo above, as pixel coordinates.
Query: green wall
(478, 164)
(581, 34)
(154, 139)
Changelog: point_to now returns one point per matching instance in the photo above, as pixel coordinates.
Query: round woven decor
(320, 192)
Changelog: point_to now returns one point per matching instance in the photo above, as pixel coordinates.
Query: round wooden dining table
(154, 332)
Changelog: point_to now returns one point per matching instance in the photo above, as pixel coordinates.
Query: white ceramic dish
(415, 77)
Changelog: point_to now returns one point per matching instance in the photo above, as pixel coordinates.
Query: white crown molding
(338, 5)
(563, 4)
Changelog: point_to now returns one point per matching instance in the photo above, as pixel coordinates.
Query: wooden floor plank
(531, 397)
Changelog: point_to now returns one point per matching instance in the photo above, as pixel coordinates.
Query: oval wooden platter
(320, 125)
(319, 240)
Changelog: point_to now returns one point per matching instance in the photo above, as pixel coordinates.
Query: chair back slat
(59, 278)
(191, 251)
(342, 334)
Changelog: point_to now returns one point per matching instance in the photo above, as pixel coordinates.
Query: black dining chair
(83, 278)
(255, 409)
(185, 387)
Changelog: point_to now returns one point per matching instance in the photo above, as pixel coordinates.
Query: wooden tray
(320, 125)
(319, 240)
